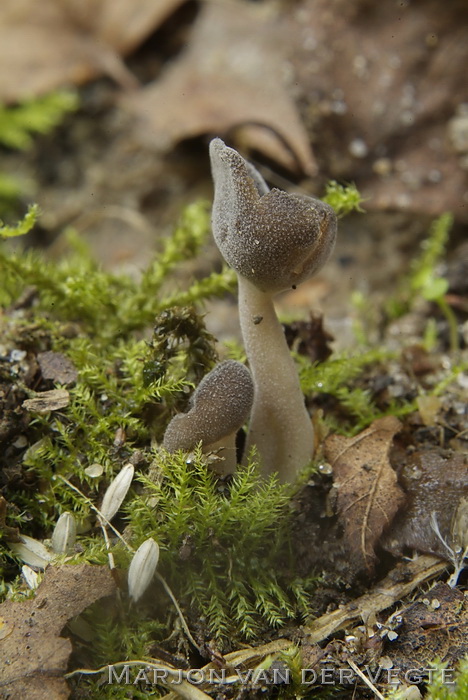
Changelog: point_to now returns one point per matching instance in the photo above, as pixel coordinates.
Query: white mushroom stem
(227, 452)
(280, 427)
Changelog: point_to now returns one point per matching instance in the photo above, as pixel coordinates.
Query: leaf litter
(71, 41)
(367, 492)
(33, 653)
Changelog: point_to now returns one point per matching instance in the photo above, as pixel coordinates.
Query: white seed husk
(142, 568)
(32, 552)
(30, 577)
(64, 535)
(116, 492)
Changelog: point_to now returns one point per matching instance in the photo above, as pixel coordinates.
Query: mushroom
(219, 407)
(274, 241)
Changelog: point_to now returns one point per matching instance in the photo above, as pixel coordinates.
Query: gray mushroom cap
(220, 406)
(274, 239)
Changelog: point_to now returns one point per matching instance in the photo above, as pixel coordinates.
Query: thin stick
(180, 686)
(365, 679)
(179, 611)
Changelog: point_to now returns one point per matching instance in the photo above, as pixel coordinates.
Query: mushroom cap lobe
(220, 405)
(274, 239)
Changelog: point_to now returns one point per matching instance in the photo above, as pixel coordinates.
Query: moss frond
(18, 124)
(22, 227)
(343, 198)
(229, 542)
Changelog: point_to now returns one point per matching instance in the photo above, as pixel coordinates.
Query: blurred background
(356, 91)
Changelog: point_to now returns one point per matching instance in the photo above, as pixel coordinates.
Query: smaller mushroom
(219, 407)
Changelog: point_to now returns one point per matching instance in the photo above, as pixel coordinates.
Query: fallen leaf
(33, 656)
(51, 44)
(57, 367)
(368, 495)
(435, 481)
(45, 401)
(231, 75)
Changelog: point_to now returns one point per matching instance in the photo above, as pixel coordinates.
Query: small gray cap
(220, 406)
(274, 239)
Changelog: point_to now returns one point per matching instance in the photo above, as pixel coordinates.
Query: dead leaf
(435, 481)
(34, 657)
(45, 401)
(71, 41)
(368, 495)
(230, 76)
(57, 367)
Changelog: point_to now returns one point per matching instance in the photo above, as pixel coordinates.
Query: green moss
(457, 689)
(18, 124)
(343, 198)
(223, 548)
(22, 227)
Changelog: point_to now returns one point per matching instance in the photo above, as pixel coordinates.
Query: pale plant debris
(142, 568)
(34, 553)
(116, 492)
(30, 576)
(46, 401)
(64, 534)
(457, 550)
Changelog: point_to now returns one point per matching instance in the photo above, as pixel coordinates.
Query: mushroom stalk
(280, 426)
(227, 452)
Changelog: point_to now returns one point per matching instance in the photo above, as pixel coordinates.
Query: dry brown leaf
(435, 481)
(368, 495)
(51, 44)
(33, 655)
(44, 401)
(230, 76)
